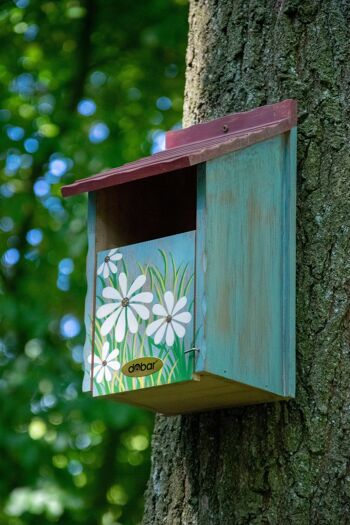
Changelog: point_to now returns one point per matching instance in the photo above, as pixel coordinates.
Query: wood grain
(195, 396)
(249, 278)
(90, 292)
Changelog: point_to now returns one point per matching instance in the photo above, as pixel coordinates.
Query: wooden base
(205, 392)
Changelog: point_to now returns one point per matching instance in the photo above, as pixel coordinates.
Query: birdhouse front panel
(144, 315)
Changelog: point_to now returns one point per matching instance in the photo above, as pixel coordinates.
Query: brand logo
(143, 366)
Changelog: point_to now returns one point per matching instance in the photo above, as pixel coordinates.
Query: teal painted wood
(144, 309)
(90, 281)
(289, 258)
(247, 203)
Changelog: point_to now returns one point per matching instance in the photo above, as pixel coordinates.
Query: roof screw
(225, 128)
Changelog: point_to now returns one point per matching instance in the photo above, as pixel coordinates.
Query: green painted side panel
(89, 299)
(246, 285)
(289, 259)
(144, 315)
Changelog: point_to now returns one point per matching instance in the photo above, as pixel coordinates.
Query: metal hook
(194, 349)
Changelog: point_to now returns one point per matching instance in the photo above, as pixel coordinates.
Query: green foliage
(84, 86)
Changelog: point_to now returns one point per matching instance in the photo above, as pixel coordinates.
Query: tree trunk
(288, 462)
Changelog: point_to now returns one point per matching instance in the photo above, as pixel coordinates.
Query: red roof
(198, 143)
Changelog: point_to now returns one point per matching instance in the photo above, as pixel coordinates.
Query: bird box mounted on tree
(191, 268)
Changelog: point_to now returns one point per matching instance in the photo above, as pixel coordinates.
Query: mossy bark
(289, 462)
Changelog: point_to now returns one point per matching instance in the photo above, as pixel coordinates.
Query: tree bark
(288, 462)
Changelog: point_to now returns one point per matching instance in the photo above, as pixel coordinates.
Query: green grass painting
(144, 308)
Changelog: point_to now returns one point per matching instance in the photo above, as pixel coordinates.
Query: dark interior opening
(146, 209)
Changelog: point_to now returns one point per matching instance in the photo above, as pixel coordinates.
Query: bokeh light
(34, 236)
(98, 78)
(41, 188)
(15, 133)
(66, 266)
(23, 84)
(69, 326)
(22, 3)
(98, 132)
(7, 190)
(78, 353)
(164, 103)
(11, 257)
(31, 32)
(86, 107)
(13, 163)
(158, 141)
(6, 224)
(58, 167)
(31, 145)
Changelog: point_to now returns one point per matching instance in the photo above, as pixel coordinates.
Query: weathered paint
(90, 293)
(240, 346)
(249, 277)
(241, 131)
(244, 123)
(289, 258)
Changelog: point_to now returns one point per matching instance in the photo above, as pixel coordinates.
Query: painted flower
(126, 303)
(108, 265)
(171, 320)
(106, 365)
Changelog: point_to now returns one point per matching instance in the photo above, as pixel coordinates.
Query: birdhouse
(191, 268)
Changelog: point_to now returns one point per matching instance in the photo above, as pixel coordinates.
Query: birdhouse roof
(199, 143)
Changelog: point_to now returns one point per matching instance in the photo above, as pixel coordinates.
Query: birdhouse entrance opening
(146, 209)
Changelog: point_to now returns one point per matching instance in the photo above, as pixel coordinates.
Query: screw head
(225, 128)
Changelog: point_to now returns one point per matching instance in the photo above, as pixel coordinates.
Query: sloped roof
(198, 143)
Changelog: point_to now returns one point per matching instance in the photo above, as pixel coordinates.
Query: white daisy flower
(171, 320)
(105, 367)
(124, 307)
(108, 265)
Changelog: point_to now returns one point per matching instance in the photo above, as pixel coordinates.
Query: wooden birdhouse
(191, 268)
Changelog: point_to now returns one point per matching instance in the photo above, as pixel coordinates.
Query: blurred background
(84, 86)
